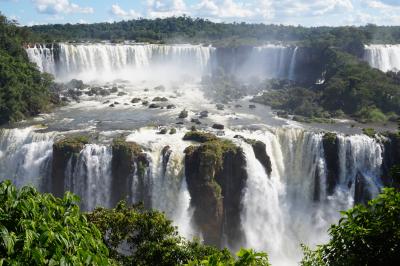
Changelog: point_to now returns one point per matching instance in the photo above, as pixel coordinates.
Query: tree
(38, 229)
(136, 236)
(365, 235)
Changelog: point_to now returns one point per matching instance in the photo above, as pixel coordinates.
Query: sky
(287, 12)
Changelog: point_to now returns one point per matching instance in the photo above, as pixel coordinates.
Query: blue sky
(293, 12)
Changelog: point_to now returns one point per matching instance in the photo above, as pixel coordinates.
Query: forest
(198, 30)
(24, 91)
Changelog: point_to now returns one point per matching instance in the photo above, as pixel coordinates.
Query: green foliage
(136, 236)
(365, 235)
(245, 257)
(350, 87)
(39, 229)
(72, 144)
(370, 132)
(186, 29)
(23, 89)
(199, 136)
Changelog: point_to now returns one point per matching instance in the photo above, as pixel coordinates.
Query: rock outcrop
(216, 175)
(129, 162)
(65, 151)
(330, 143)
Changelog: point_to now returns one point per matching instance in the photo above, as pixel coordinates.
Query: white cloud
(116, 10)
(60, 6)
(166, 8)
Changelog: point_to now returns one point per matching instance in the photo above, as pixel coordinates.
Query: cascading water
(384, 57)
(90, 178)
(168, 185)
(25, 156)
(91, 61)
(282, 211)
(269, 61)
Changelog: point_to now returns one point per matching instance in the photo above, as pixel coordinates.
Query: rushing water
(280, 211)
(383, 56)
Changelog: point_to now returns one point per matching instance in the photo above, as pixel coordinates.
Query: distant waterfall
(90, 179)
(269, 61)
(384, 57)
(292, 66)
(75, 60)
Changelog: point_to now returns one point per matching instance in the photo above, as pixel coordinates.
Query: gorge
(262, 181)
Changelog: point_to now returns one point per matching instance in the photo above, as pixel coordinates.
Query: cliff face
(128, 162)
(330, 143)
(216, 175)
(64, 151)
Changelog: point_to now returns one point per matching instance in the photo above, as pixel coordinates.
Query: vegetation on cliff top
(71, 144)
(23, 89)
(349, 87)
(186, 29)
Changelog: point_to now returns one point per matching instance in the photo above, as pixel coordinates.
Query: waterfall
(168, 190)
(292, 65)
(43, 57)
(25, 156)
(384, 57)
(282, 210)
(268, 61)
(90, 179)
(91, 61)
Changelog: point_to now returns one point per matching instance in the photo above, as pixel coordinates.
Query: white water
(125, 61)
(269, 61)
(385, 57)
(90, 179)
(280, 210)
(25, 155)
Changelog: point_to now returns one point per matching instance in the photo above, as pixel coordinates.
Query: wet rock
(154, 105)
(121, 93)
(218, 126)
(146, 89)
(65, 151)
(252, 106)
(75, 84)
(116, 102)
(220, 106)
(172, 131)
(159, 88)
(179, 123)
(145, 102)
(196, 121)
(238, 106)
(114, 89)
(108, 101)
(171, 106)
(135, 100)
(203, 114)
(330, 144)
(128, 158)
(216, 176)
(183, 114)
(163, 131)
(112, 105)
(104, 92)
(160, 99)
